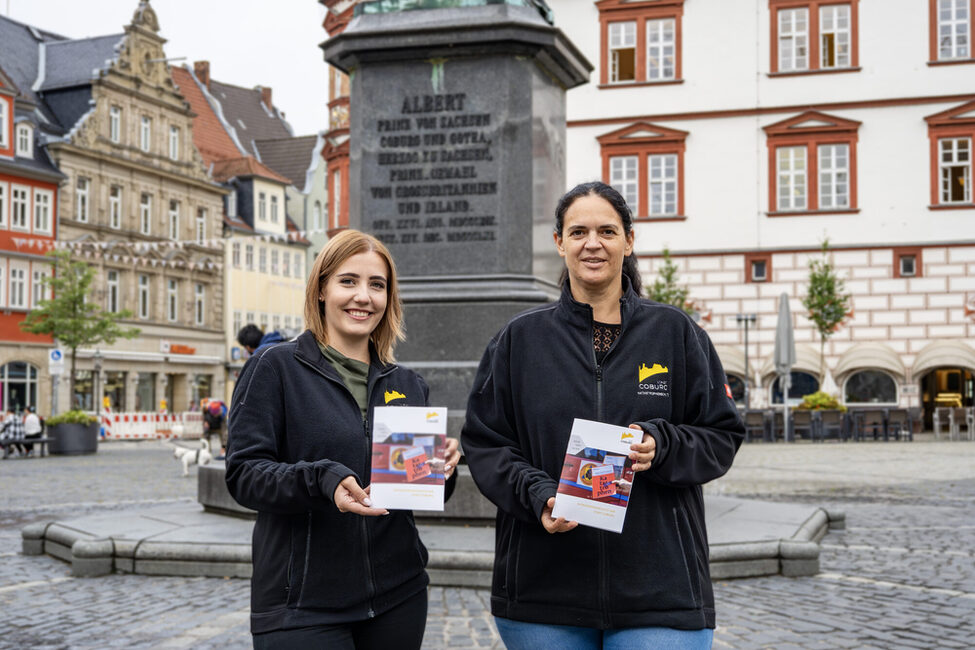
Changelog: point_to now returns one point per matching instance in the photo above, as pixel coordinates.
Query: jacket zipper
(371, 586)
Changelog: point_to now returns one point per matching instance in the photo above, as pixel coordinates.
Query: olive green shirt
(354, 373)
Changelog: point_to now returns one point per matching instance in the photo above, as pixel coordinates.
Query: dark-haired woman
(330, 570)
(601, 353)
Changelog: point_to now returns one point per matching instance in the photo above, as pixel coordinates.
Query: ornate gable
(812, 123)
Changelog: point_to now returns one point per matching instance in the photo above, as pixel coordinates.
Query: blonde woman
(330, 570)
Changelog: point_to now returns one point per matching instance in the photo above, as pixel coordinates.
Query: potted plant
(821, 401)
(73, 432)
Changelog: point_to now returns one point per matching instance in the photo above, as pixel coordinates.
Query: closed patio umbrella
(784, 356)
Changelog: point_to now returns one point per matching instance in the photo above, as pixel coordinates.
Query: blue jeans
(518, 635)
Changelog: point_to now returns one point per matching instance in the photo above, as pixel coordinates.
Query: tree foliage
(71, 319)
(666, 288)
(826, 302)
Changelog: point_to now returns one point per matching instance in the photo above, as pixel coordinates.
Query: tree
(68, 317)
(665, 288)
(825, 302)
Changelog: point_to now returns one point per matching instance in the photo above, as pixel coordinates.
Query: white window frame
(299, 267)
(834, 176)
(115, 124)
(3, 284)
(622, 36)
(791, 181)
(661, 49)
(83, 199)
(793, 39)
(38, 290)
(250, 319)
(20, 207)
(274, 262)
(174, 219)
(115, 207)
(4, 203)
(201, 226)
(199, 299)
(174, 143)
(262, 259)
(145, 213)
(235, 254)
(624, 176)
(112, 291)
(764, 275)
(172, 300)
(663, 183)
(238, 323)
(4, 121)
(145, 297)
(249, 262)
(959, 157)
(317, 222)
(18, 286)
(261, 206)
(24, 136)
(43, 203)
(274, 208)
(953, 30)
(841, 44)
(145, 133)
(286, 264)
(232, 204)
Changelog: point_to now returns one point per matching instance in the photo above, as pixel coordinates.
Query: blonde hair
(338, 249)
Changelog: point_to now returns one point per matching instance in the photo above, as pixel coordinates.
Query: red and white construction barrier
(143, 426)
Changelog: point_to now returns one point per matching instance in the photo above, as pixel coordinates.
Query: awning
(942, 354)
(733, 359)
(807, 360)
(869, 356)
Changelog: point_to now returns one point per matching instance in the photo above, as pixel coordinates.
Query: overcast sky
(248, 42)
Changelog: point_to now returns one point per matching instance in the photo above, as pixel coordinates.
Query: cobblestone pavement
(902, 575)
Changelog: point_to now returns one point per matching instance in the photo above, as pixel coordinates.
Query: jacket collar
(582, 313)
(307, 350)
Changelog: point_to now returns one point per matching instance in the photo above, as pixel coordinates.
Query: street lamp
(746, 319)
(97, 383)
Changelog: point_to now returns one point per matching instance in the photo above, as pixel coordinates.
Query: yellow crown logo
(656, 369)
(626, 436)
(432, 414)
(390, 395)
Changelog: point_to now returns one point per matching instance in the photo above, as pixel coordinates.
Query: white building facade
(745, 132)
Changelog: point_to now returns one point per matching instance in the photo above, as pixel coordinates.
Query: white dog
(201, 456)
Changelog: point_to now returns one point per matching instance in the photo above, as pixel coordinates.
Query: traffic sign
(55, 361)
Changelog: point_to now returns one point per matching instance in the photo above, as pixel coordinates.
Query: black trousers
(401, 628)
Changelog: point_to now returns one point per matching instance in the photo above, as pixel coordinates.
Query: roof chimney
(202, 71)
(266, 96)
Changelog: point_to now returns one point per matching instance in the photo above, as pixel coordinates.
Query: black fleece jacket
(295, 432)
(540, 372)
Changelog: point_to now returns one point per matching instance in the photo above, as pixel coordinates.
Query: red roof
(244, 166)
(209, 136)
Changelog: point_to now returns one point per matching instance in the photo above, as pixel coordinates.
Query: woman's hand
(349, 497)
(453, 457)
(642, 453)
(559, 525)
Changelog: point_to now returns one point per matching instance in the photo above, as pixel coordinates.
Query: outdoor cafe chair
(941, 419)
(958, 418)
(899, 424)
(832, 423)
(802, 423)
(756, 424)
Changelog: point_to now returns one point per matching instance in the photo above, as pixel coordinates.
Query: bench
(41, 441)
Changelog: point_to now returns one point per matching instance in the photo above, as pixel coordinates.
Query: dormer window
(4, 122)
(25, 140)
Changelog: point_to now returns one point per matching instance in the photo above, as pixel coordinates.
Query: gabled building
(28, 229)
(264, 279)
(137, 205)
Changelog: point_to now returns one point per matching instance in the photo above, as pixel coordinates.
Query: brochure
(594, 488)
(409, 449)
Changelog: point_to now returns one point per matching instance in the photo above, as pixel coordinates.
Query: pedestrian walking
(13, 432)
(330, 570)
(604, 353)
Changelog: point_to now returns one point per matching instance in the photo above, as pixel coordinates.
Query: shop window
(870, 387)
(803, 383)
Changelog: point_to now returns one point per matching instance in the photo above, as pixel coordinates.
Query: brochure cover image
(594, 488)
(409, 450)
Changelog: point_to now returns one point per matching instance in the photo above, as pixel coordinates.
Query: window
(264, 322)
(336, 197)
(42, 211)
(316, 217)
(812, 164)
(250, 318)
(173, 219)
(232, 204)
(951, 30)
(115, 124)
(235, 254)
(299, 266)
(201, 226)
(908, 262)
(145, 214)
(200, 304)
(802, 383)
(262, 259)
(39, 290)
(249, 260)
(83, 204)
(286, 264)
(18, 212)
(641, 41)
(644, 162)
(145, 134)
(18, 287)
(276, 322)
(25, 140)
(813, 36)
(115, 207)
(172, 301)
(111, 302)
(287, 322)
(262, 206)
(870, 387)
(758, 267)
(952, 133)
(274, 262)
(3, 287)
(144, 297)
(3, 205)
(4, 122)
(274, 209)
(174, 143)
(238, 322)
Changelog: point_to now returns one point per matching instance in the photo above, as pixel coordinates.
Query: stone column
(457, 150)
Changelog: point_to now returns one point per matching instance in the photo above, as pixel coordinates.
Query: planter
(70, 438)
